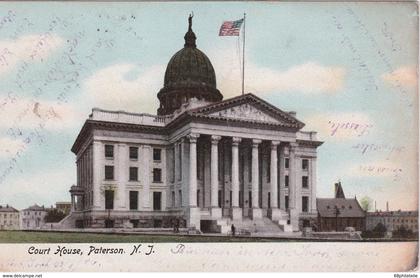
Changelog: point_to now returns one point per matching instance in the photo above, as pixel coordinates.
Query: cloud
(26, 113)
(125, 87)
(42, 188)
(405, 76)
(340, 126)
(308, 78)
(8, 146)
(27, 48)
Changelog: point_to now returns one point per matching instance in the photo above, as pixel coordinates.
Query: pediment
(248, 108)
(245, 111)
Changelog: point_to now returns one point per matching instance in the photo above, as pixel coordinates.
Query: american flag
(231, 28)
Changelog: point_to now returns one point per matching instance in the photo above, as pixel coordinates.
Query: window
(109, 199)
(180, 197)
(305, 204)
(219, 198)
(198, 198)
(173, 198)
(269, 200)
(286, 202)
(157, 199)
(157, 154)
(268, 170)
(305, 182)
(250, 199)
(109, 172)
(286, 163)
(133, 174)
(157, 175)
(109, 151)
(134, 200)
(286, 181)
(134, 153)
(305, 164)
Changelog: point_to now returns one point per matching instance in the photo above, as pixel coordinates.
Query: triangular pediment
(245, 111)
(248, 108)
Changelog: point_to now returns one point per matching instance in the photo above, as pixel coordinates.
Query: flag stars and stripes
(231, 28)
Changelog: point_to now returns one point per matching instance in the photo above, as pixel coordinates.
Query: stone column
(194, 212)
(73, 203)
(293, 212)
(122, 173)
(256, 211)
(236, 211)
(98, 157)
(216, 212)
(145, 177)
(274, 211)
(282, 172)
(313, 185)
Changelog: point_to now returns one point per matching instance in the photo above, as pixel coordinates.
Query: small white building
(9, 218)
(33, 217)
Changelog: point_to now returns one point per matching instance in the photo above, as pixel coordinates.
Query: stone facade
(200, 160)
(9, 218)
(393, 220)
(33, 217)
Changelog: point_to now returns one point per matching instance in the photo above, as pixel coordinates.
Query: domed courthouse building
(202, 161)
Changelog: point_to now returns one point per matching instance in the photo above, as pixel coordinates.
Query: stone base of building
(294, 219)
(274, 214)
(255, 213)
(193, 218)
(236, 213)
(216, 213)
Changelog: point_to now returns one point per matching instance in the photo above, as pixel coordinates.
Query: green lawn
(69, 237)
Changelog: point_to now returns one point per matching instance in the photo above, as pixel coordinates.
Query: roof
(8, 208)
(35, 207)
(347, 207)
(393, 213)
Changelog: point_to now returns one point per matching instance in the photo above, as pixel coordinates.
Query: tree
(366, 203)
(379, 230)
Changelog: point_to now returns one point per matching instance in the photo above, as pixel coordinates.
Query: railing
(306, 135)
(127, 117)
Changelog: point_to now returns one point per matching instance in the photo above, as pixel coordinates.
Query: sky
(349, 70)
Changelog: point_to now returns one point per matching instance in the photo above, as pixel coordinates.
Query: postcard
(208, 136)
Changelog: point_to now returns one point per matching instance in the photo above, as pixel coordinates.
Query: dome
(189, 74)
(190, 67)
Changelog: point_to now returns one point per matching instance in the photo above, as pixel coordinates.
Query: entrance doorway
(157, 200)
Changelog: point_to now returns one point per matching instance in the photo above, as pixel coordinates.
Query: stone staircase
(263, 226)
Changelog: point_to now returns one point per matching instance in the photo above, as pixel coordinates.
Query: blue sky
(347, 69)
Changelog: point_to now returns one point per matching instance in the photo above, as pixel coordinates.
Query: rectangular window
(157, 154)
(109, 199)
(305, 203)
(219, 198)
(305, 182)
(305, 164)
(249, 199)
(157, 175)
(173, 199)
(134, 153)
(134, 200)
(134, 173)
(198, 198)
(241, 199)
(286, 163)
(109, 151)
(180, 197)
(269, 200)
(268, 171)
(109, 172)
(230, 198)
(286, 181)
(157, 199)
(286, 202)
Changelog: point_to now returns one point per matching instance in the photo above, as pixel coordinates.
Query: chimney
(375, 206)
(387, 206)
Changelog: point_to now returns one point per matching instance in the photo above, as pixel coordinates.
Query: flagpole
(243, 59)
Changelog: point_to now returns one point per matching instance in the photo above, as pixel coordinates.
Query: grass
(74, 237)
